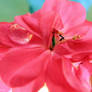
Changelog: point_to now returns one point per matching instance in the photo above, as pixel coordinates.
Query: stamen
(30, 36)
(76, 37)
(62, 38)
(90, 80)
(57, 37)
(16, 26)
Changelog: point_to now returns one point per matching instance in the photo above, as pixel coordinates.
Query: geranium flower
(34, 45)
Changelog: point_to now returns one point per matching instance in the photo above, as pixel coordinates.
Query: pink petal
(80, 46)
(33, 86)
(81, 57)
(3, 48)
(82, 30)
(88, 65)
(4, 31)
(54, 71)
(84, 43)
(72, 14)
(71, 76)
(55, 79)
(30, 23)
(62, 49)
(52, 5)
(53, 87)
(27, 88)
(14, 37)
(3, 87)
(85, 80)
(21, 65)
(52, 22)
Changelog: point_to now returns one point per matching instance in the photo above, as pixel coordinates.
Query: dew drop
(19, 34)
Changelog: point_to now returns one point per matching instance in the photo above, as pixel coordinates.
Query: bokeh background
(11, 8)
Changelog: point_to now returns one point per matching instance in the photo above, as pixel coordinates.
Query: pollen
(16, 26)
(90, 80)
(60, 33)
(76, 37)
(30, 36)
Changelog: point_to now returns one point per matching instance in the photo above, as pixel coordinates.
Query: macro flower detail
(39, 48)
(19, 34)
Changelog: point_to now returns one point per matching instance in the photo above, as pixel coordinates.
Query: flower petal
(51, 5)
(27, 88)
(82, 30)
(85, 80)
(21, 65)
(53, 87)
(3, 87)
(4, 31)
(84, 43)
(62, 49)
(33, 86)
(29, 22)
(55, 79)
(88, 65)
(80, 46)
(72, 14)
(72, 77)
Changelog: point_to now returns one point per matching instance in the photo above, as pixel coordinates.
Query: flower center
(59, 37)
(56, 38)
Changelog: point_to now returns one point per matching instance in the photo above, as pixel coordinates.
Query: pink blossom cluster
(52, 46)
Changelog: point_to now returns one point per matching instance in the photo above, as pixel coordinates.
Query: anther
(62, 38)
(90, 80)
(76, 37)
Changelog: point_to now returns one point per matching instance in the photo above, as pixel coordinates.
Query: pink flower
(34, 46)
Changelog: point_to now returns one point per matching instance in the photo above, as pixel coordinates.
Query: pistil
(55, 40)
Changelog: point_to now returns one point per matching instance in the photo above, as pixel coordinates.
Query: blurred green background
(11, 8)
(89, 14)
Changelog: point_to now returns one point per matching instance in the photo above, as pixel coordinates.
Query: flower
(34, 46)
